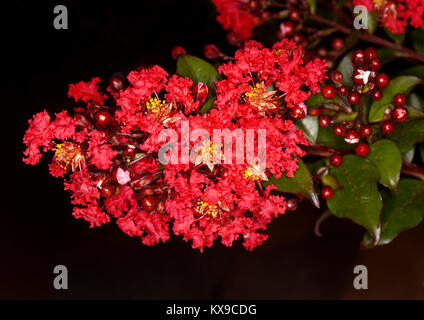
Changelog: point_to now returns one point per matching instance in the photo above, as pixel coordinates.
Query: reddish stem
(408, 53)
(409, 169)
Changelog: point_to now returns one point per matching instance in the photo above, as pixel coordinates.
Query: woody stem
(407, 53)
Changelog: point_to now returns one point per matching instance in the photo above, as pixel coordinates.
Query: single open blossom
(395, 15)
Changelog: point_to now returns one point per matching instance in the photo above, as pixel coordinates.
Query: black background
(37, 230)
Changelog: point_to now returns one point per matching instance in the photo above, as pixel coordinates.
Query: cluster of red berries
(366, 80)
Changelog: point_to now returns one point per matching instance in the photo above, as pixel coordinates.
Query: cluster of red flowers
(237, 16)
(111, 148)
(395, 15)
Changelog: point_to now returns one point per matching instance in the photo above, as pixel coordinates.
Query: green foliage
(402, 210)
(408, 133)
(401, 84)
(385, 155)
(359, 199)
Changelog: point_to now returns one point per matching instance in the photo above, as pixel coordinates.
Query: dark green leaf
(331, 181)
(414, 113)
(417, 71)
(343, 116)
(208, 105)
(386, 55)
(402, 210)
(318, 99)
(408, 133)
(309, 126)
(198, 70)
(359, 200)
(415, 101)
(386, 157)
(418, 41)
(402, 84)
(301, 182)
(346, 68)
(327, 137)
(398, 38)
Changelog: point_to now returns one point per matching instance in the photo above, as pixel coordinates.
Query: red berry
(177, 51)
(294, 15)
(233, 39)
(200, 92)
(339, 130)
(382, 80)
(370, 53)
(291, 204)
(129, 151)
(327, 193)
(343, 90)
(336, 160)
(149, 203)
(376, 94)
(387, 127)
(102, 119)
(211, 51)
(116, 83)
(337, 44)
(324, 121)
(322, 51)
(358, 58)
(375, 64)
(400, 114)
(329, 91)
(82, 120)
(362, 149)
(351, 137)
(315, 111)
(366, 131)
(297, 113)
(336, 76)
(399, 100)
(297, 37)
(353, 98)
(107, 190)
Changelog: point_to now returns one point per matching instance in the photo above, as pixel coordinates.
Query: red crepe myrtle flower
(395, 15)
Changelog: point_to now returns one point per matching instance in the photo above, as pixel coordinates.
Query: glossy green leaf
(417, 71)
(402, 210)
(401, 84)
(318, 99)
(418, 40)
(331, 181)
(408, 133)
(398, 38)
(343, 116)
(346, 68)
(309, 125)
(385, 155)
(386, 55)
(327, 137)
(208, 105)
(414, 100)
(414, 113)
(359, 200)
(301, 182)
(198, 70)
